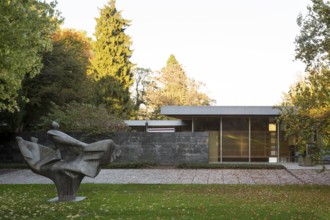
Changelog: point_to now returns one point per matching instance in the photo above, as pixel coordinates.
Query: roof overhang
(155, 123)
(213, 111)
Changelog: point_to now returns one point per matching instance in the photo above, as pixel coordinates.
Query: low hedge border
(144, 165)
(259, 166)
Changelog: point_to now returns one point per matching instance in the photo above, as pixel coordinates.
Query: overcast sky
(242, 50)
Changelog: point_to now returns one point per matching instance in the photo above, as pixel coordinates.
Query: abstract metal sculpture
(69, 163)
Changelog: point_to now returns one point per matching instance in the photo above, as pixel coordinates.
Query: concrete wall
(159, 148)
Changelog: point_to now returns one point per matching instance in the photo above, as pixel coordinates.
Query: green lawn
(106, 201)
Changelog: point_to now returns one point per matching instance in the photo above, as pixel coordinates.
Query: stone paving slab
(216, 176)
(183, 176)
(312, 176)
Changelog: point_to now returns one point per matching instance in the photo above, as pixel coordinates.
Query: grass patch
(106, 201)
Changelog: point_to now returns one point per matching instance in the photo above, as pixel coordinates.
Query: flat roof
(155, 123)
(185, 111)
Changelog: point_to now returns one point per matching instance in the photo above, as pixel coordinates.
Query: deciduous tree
(142, 79)
(25, 33)
(313, 43)
(305, 114)
(62, 79)
(305, 111)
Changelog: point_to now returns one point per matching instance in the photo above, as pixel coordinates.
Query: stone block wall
(9, 150)
(159, 148)
(163, 148)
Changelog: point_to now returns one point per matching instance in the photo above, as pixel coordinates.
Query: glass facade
(247, 139)
(263, 139)
(206, 124)
(235, 139)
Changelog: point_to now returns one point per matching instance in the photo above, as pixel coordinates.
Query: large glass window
(263, 139)
(207, 124)
(235, 139)
(288, 150)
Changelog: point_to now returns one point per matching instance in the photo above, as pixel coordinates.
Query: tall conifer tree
(174, 87)
(111, 67)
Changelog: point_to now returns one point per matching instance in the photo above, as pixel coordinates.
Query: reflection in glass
(235, 139)
(263, 139)
(288, 149)
(207, 124)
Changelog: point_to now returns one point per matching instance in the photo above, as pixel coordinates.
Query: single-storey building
(236, 133)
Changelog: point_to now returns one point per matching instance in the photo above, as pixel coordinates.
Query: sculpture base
(77, 199)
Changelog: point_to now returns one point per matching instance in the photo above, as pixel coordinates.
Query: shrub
(76, 117)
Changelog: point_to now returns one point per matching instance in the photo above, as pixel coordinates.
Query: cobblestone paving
(183, 176)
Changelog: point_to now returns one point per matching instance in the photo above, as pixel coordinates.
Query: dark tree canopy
(63, 78)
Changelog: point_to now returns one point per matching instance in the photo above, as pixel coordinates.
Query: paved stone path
(292, 175)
